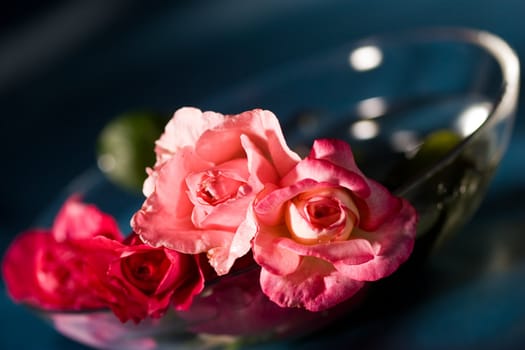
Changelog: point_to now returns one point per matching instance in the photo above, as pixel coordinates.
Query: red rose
(145, 281)
(48, 268)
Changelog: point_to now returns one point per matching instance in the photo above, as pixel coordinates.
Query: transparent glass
(428, 113)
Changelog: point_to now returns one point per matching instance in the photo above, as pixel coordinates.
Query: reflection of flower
(327, 229)
(209, 169)
(101, 330)
(48, 269)
(238, 306)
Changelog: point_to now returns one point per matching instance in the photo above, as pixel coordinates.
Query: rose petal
(77, 220)
(230, 141)
(171, 183)
(269, 208)
(184, 129)
(376, 208)
(206, 215)
(259, 167)
(283, 157)
(336, 152)
(261, 126)
(166, 213)
(184, 238)
(190, 286)
(18, 265)
(235, 211)
(223, 258)
(241, 242)
(267, 253)
(148, 187)
(315, 286)
(353, 251)
(228, 135)
(393, 243)
(326, 172)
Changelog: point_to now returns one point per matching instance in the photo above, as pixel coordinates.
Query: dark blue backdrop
(66, 68)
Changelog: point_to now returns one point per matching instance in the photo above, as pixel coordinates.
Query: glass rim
(504, 106)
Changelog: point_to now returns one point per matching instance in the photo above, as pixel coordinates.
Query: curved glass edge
(503, 110)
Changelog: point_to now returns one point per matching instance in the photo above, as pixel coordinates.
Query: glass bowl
(428, 113)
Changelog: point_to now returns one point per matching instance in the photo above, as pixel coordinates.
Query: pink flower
(48, 269)
(77, 220)
(144, 281)
(327, 229)
(209, 169)
(102, 330)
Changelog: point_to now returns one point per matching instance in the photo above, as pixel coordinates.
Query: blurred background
(68, 67)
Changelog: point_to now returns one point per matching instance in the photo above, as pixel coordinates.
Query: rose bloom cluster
(223, 187)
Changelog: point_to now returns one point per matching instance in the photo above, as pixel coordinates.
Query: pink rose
(209, 169)
(144, 281)
(327, 229)
(48, 268)
(77, 220)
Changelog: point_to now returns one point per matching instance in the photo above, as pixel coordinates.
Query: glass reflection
(364, 129)
(405, 141)
(372, 108)
(472, 118)
(365, 58)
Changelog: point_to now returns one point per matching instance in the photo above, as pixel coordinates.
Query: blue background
(67, 68)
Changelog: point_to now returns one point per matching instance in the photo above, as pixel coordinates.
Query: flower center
(215, 188)
(321, 216)
(145, 270)
(322, 211)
